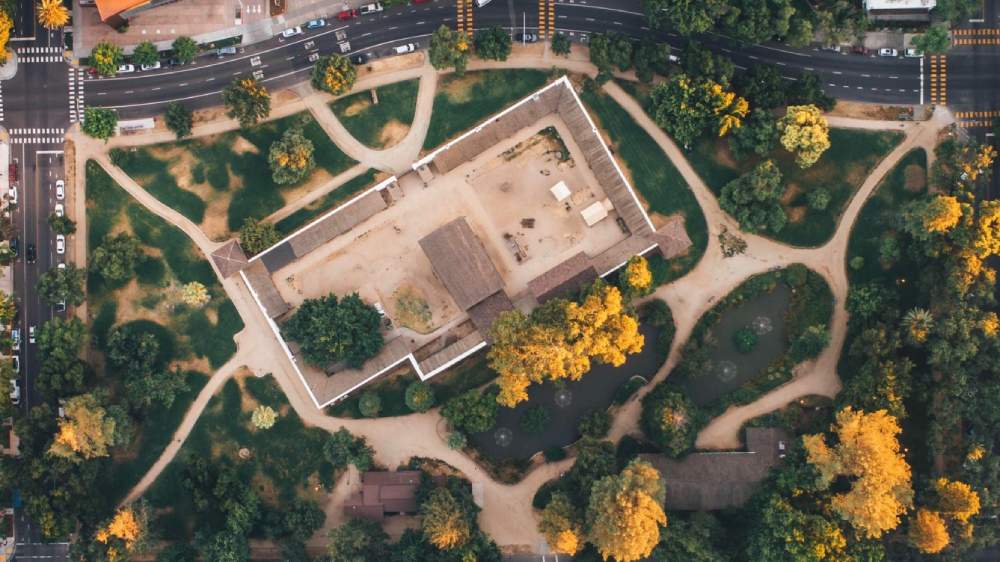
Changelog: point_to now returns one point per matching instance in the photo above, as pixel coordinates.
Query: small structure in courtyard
(384, 493)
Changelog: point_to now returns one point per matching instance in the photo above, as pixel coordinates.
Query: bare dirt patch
(872, 111)
(357, 106)
(458, 89)
(411, 60)
(412, 310)
(796, 214)
(243, 146)
(392, 133)
(792, 191)
(724, 156)
(914, 178)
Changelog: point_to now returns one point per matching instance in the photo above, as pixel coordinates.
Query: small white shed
(560, 191)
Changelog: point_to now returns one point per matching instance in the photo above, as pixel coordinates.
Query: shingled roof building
(384, 493)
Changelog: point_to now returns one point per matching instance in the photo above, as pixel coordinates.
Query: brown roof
(486, 311)
(719, 480)
(563, 279)
(384, 492)
(108, 8)
(229, 258)
(672, 238)
(263, 286)
(460, 261)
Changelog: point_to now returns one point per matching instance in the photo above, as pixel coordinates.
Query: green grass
(653, 175)
(852, 155)
(396, 102)
(463, 101)
(343, 192)
(153, 175)
(282, 458)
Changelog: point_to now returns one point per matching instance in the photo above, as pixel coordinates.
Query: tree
(52, 14)
(247, 101)
(342, 448)
(562, 524)
(144, 388)
(935, 215)
(6, 25)
(818, 199)
(334, 74)
(935, 41)
(59, 345)
(535, 419)
(449, 49)
(754, 198)
(686, 108)
(638, 280)
(758, 135)
(757, 21)
(595, 459)
(106, 58)
(493, 43)
(596, 424)
(185, 48)
(61, 224)
(955, 11)
(473, 411)
(917, 324)
(781, 532)
(225, 546)
(370, 404)
(179, 119)
(8, 308)
(928, 532)
(132, 350)
(808, 90)
(670, 420)
(128, 532)
(810, 343)
(303, 518)
(419, 396)
(763, 86)
(868, 454)
(456, 441)
(87, 431)
(100, 123)
(145, 53)
(291, 157)
(263, 417)
(331, 330)
(444, 521)
(805, 133)
(358, 540)
(625, 512)
(702, 64)
(610, 49)
(61, 284)
(955, 500)
(560, 44)
(257, 236)
(685, 16)
(195, 295)
(800, 32)
(178, 552)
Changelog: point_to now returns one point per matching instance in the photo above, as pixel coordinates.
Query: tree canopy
(449, 49)
(291, 157)
(334, 74)
(115, 259)
(247, 101)
(685, 16)
(331, 330)
(625, 512)
(106, 58)
(88, 431)
(62, 284)
(493, 43)
(257, 236)
(754, 199)
(185, 48)
(179, 119)
(686, 108)
(805, 133)
(99, 122)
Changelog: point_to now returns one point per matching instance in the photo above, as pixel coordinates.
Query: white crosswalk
(38, 50)
(37, 140)
(49, 135)
(47, 58)
(76, 94)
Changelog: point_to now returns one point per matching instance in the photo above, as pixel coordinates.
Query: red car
(347, 14)
(419, 1)
(12, 171)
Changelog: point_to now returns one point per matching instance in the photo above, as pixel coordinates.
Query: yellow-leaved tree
(867, 453)
(195, 294)
(6, 24)
(625, 513)
(127, 533)
(444, 521)
(86, 432)
(941, 214)
(805, 133)
(955, 500)
(52, 14)
(928, 532)
(638, 277)
(562, 525)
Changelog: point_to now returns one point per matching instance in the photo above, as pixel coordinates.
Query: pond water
(567, 404)
(765, 315)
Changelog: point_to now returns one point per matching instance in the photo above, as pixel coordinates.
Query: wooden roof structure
(460, 261)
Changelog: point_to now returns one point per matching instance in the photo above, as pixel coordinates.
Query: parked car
(126, 68)
(15, 339)
(526, 37)
(481, 3)
(12, 171)
(292, 32)
(60, 190)
(60, 210)
(12, 194)
(913, 53)
(155, 66)
(31, 334)
(15, 246)
(886, 52)
(347, 14)
(60, 306)
(360, 58)
(313, 57)
(15, 387)
(315, 24)
(16, 363)
(403, 49)
(60, 244)
(29, 253)
(370, 8)
(61, 265)
(175, 62)
(225, 51)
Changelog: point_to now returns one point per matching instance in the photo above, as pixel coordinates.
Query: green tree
(596, 424)
(493, 43)
(59, 345)
(185, 48)
(225, 546)
(99, 123)
(686, 108)
(419, 396)
(800, 32)
(449, 49)
(699, 62)
(257, 236)
(303, 518)
(145, 53)
(115, 259)
(610, 49)
(358, 540)
(625, 512)
(818, 199)
(329, 330)
(456, 441)
(763, 86)
(781, 532)
(757, 21)
(808, 90)
(560, 44)
(130, 349)
(334, 74)
(670, 419)
(956, 11)
(62, 284)
(810, 343)
(343, 448)
(179, 119)
(178, 552)
(594, 460)
(291, 157)
(62, 225)
(868, 300)
(247, 101)
(651, 58)
(685, 16)
(8, 308)
(935, 42)
(106, 58)
(757, 136)
(535, 418)
(693, 539)
(143, 389)
(370, 404)
(473, 411)
(753, 199)
(7, 375)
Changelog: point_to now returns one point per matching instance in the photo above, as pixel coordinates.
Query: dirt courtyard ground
(503, 194)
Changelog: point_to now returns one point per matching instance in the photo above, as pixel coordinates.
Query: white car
(481, 3)
(60, 244)
(62, 265)
(12, 195)
(126, 68)
(60, 210)
(31, 334)
(402, 49)
(913, 53)
(292, 32)
(313, 57)
(60, 190)
(15, 388)
(370, 8)
(886, 52)
(155, 66)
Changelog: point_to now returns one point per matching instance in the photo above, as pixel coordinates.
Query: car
(15, 246)
(31, 334)
(12, 171)
(481, 3)
(360, 58)
(831, 48)
(291, 32)
(60, 306)
(407, 48)
(29, 253)
(61, 265)
(370, 8)
(225, 51)
(315, 24)
(15, 387)
(526, 37)
(886, 52)
(313, 57)
(155, 66)
(60, 210)
(913, 53)
(126, 68)
(175, 62)
(12, 194)
(16, 363)
(15, 339)
(60, 244)
(60, 190)
(347, 14)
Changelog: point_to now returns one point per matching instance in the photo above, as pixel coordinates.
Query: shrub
(554, 454)
(818, 199)
(535, 418)
(263, 417)
(419, 396)
(596, 424)
(670, 419)
(745, 339)
(628, 388)
(457, 440)
(857, 262)
(810, 343)
(370, 404)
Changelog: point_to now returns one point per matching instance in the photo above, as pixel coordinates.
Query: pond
(765, 316)
(566, 403)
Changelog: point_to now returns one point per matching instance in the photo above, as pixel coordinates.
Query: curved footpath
(507, 513)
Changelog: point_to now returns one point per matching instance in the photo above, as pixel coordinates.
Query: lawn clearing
(342, 193)
(462, 101)
(379, 125)
(660, 185)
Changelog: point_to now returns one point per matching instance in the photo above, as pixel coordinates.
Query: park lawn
(286, 461)
(659, 183)
(463, 101)
(852, 155)
(368, 122)
(342, 193)
(219, 181)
